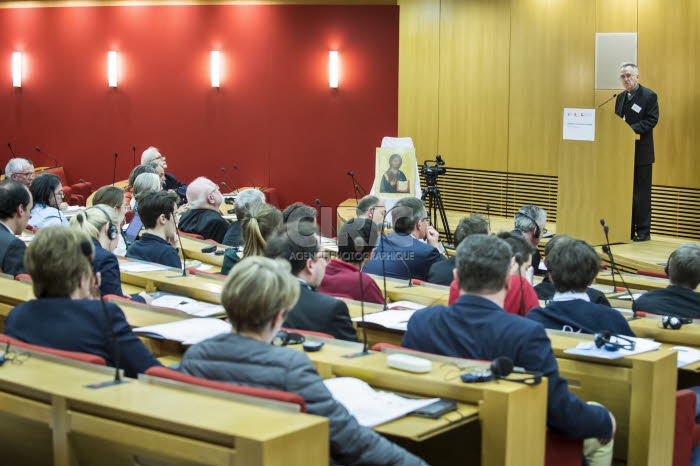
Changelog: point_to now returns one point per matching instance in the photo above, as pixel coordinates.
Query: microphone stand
(235, 167)
(114, 171)
(488, 215)
(354, 187)
(133, 148)
(38, 149)
(223, 170)
(608, 251)
(611, 98)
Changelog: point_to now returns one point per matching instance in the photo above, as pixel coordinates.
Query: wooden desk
(193, 251)
(428, 294)
(48, 415)
(119, 184)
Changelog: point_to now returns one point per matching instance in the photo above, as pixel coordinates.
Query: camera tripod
(433, 203)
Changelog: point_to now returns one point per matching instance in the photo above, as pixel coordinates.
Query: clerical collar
(633, 92)
(570, 296)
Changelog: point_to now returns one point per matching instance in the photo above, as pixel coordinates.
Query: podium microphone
(223, 170)
(611, 98)
(114, 171)
(235, 167)
(38, 149)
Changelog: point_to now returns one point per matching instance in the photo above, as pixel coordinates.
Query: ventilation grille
(675, 212)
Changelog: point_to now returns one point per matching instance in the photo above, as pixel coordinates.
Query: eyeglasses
(216, 188)
(25, 174)
(427, 221)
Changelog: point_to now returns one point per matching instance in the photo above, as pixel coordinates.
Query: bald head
(203, 193)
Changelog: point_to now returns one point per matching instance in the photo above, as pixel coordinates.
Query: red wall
(274, 115)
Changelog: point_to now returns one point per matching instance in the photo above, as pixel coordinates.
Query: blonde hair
(56, 259)
(93, 220)
(257, 227)
(256, 290)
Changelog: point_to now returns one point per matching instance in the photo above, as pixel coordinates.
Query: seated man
(572, 266)
(679, 298)
(247, 201)
(299, 212)
(442, 273)
(373, 208)
(529, 222)
(403, 254)
(158, 243)
(203, 217)
(15, 205)
(171, 183)
(246, 357)
(69, 314)
(356, 240)
(298, 244)
(21, 170)
(477, 327)
(545, 290)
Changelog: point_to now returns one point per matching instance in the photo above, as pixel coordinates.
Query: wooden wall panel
(551, 67)
(474, 70)
(616, 15)
(668, 59)
(419, 68)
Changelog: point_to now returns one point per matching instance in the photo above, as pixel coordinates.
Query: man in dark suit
(411, 250)
(477, 327)
(639, 107)
(203, 217)
(442, 273)
(299, 244)
(15, 205)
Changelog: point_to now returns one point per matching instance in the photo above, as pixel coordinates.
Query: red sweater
(342, 280)
(513, 302)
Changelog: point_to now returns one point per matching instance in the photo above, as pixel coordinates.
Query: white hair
(250, 199)
(631, 65)
(149, 154)
(17, 165)
(146, 183)
(198, 191)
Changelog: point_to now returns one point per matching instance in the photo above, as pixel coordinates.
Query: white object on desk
(409, 363)
(189, 305)
(188, 331)
(396, 320)
(686, 355)
(588, 348)
(136, 267)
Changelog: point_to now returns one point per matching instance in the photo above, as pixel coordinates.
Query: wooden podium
(595, 182)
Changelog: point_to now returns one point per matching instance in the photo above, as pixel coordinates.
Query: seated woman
(114, 197)
(356, 241)
(257, 225)
(47, 192)
(68, 314)
(98, 222)
(257, 295)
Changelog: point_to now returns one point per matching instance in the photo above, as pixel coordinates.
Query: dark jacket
(233, 358)
(208, 223)
(404, 257)
(11, 253)
(442, 273)
(642, 122)
(582, 316)
(107, 265)
(673, 300)
(477, 328)
(321, 313)
(152, 248)
(545, 291)
(80, 325)
(234, 235)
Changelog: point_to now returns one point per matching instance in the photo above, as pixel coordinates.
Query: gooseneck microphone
(133, 149)
(235, 167)
(608, 250)
(114, 171)
(355, 188)
(357, 184)
(9, 145)
(488, 214)
(611, 98)
(223, 170)
(86, 249)
(38, 149)
(318, 203)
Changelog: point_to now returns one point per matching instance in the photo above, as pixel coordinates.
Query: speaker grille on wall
(675, 211)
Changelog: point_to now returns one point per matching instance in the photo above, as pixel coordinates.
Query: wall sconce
(215, 68)
(333, 69)
(17, 69)
(112, 68)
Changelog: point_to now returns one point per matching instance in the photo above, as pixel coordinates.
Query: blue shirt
(43, 215)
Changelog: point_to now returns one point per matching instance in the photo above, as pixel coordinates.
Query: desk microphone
(488, 215)
(38, 149)
(320, 209)
(114, 171)
(382, 239)
(611, 98)
(179, 240)
(133, 149)
(235, 167)
(80, 180)
(608, 250)
(223, 170)
(357, 184)
(355, 188)
(9, 145)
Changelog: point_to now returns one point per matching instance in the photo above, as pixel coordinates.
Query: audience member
(371, 207)
(99, 223)
(246, 201)
(530, 222)
(299, 244)
(171, 183)
(15, 205)
(160, 171)
(114, 197)
(299, 212)
(477, 327)
(403, 253)
(356, 241)
(257, 296)
(158, 242)
(137, 171)
(47, 192)
(442, 273)
(68, 314)
(679, 298)
(572, 266)
(21, 170)
(203, 217)
(258, 225)
(144, 184)
(545, 290)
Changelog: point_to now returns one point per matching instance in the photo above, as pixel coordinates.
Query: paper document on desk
(188, 331)
(396, 320)
(588, 348)
(189, 305)
(686, 355)
(371, 407)
(136, 267)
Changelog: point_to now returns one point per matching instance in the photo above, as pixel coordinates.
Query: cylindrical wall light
(112, 68)
(215, 68)
(17, 69)
(333, 69)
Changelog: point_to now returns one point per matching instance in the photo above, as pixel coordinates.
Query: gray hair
(473, 225)
(631, 65)
(146, 183)
(407, 213)
(483, 264)
(365, 204)
(684, 266)
(16, 165)
(149, 154)
(248, 201)
(525, 216)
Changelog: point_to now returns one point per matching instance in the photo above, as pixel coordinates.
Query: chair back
(75, 355)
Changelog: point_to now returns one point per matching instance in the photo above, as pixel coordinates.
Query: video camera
(432, 172)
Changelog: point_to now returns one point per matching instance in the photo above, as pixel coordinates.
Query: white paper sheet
(188, 331)
(588, 348)
(136, 267)
(397, 320)
(189, 305)
(686, 355)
